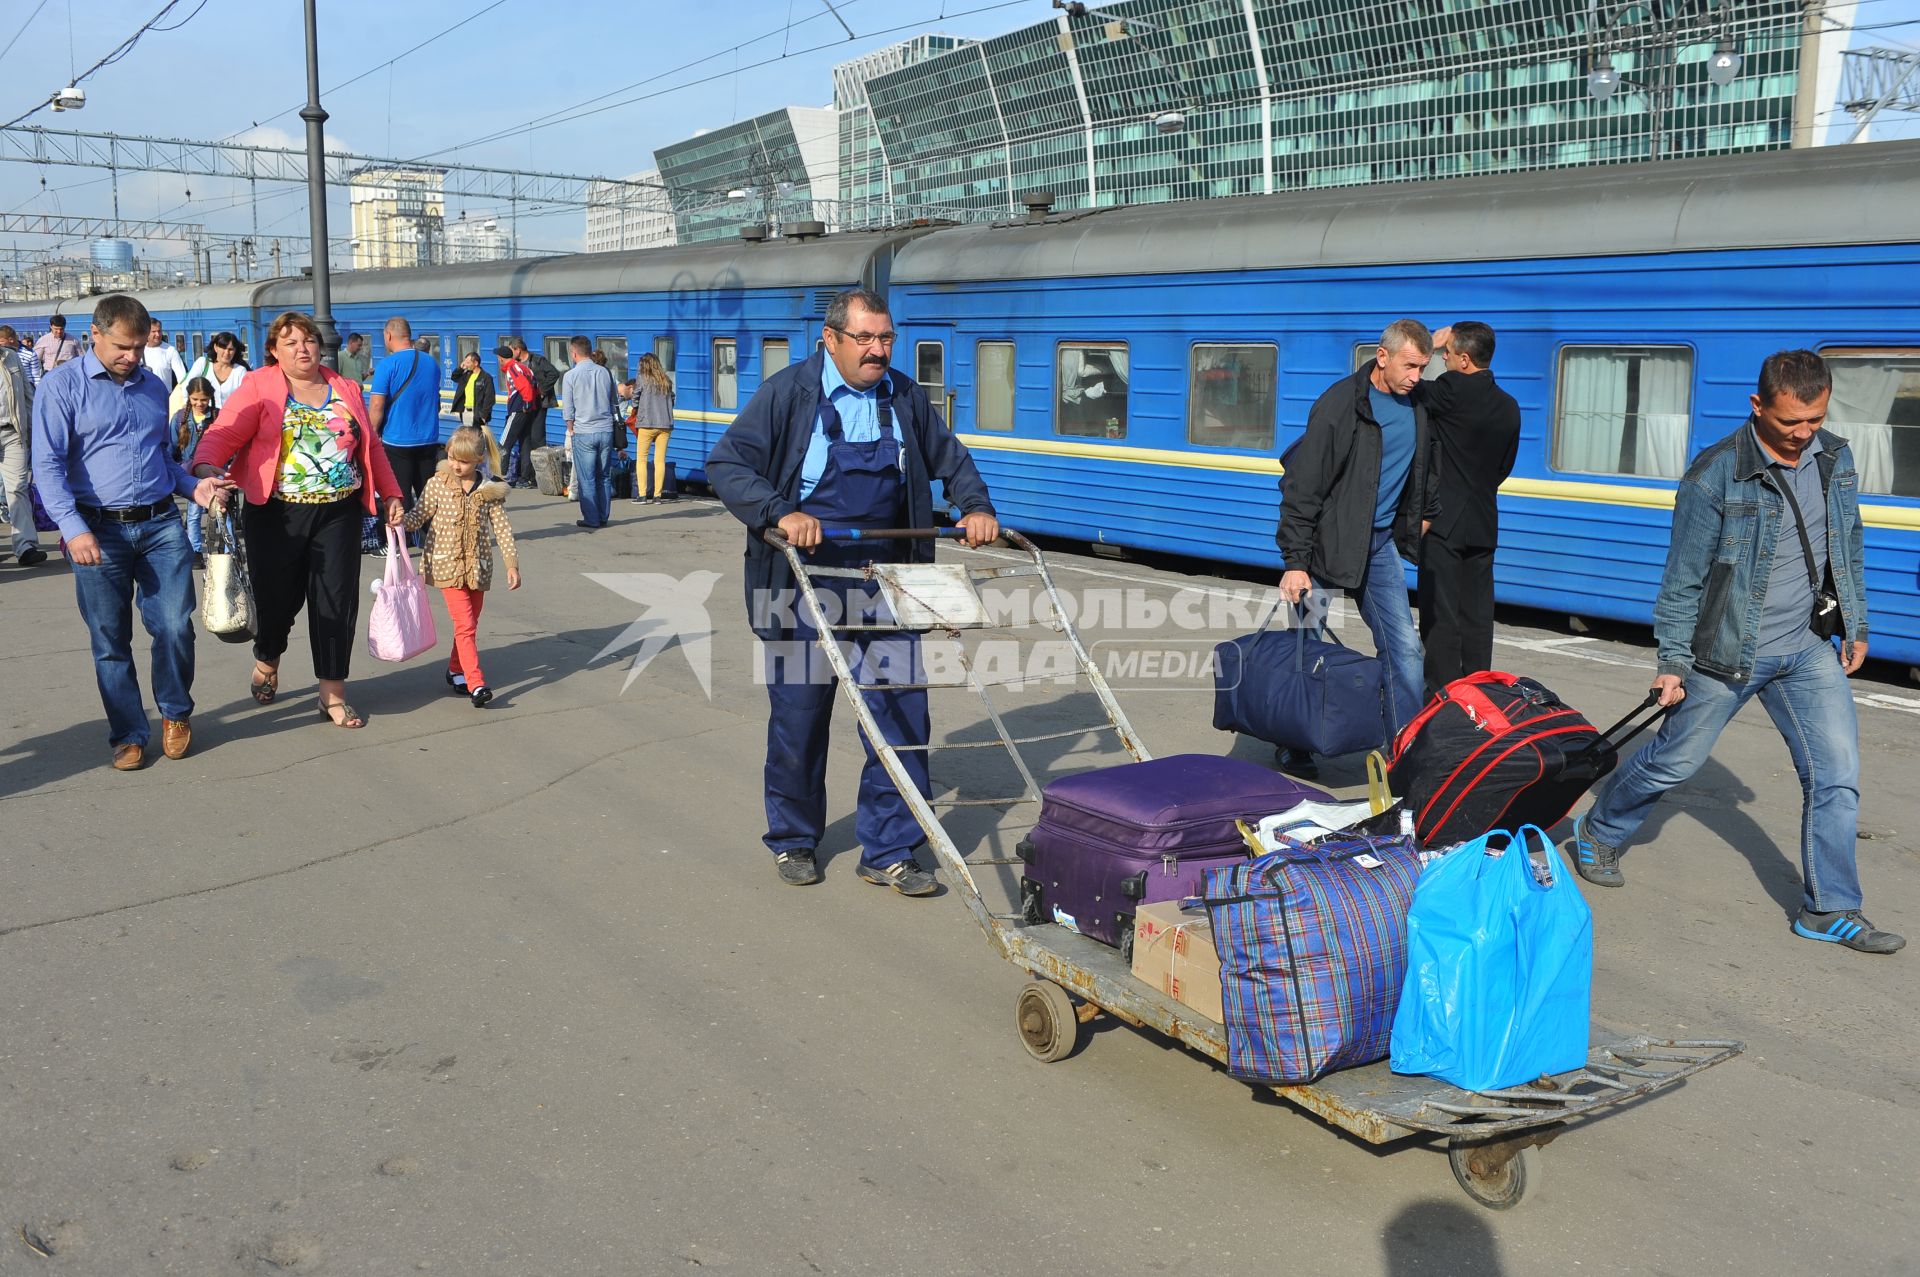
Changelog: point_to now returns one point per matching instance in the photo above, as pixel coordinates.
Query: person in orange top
(296, 437)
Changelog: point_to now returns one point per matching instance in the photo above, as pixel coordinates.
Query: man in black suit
(1478, 428)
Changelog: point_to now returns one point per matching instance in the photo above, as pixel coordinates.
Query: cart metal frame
(1491, 1137)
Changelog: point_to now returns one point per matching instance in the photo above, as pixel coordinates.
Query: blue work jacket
(1726, 524)
(755, 471)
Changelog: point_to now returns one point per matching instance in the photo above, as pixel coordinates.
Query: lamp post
(1670, 22)
(316, 118)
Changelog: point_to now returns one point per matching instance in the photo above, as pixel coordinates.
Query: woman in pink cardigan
(294, 436)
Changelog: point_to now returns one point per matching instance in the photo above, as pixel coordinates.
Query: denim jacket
(1726, 523)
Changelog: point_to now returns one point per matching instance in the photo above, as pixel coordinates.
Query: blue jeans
(148, 562)
(593, 475)
(195, 540)
(1808, 699)
(1389, 617)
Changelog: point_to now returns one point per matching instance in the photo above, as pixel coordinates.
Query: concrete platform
(516, 990)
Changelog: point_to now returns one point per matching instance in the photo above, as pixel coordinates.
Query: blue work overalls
(863, 486)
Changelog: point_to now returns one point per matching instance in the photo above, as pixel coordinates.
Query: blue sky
(237, 66)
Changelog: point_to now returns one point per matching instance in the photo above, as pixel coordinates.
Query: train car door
(929, 347)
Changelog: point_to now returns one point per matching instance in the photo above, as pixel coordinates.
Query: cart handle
(778, 539)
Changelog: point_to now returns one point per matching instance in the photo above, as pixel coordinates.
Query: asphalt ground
(517, 991)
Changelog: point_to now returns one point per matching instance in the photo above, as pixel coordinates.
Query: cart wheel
(1495, 1173)
(1049, 1029)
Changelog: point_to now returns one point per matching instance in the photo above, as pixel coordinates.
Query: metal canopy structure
(1876, 80)
(243, 162)
(104, 228)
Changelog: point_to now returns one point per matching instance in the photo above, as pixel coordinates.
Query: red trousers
(464, 607)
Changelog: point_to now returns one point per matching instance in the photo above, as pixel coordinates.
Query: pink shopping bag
(401, 626)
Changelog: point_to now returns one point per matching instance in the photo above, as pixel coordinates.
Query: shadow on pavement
(232, 718)
(1441, 1239)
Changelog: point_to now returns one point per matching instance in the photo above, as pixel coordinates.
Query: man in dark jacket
(1357, 495)
(1476, 428)
(845, 441)
(473, 393)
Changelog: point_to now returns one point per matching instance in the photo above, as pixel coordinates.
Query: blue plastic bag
(1499, 967)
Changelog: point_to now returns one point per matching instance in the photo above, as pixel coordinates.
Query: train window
(1623, 410)
(199, 345)
(1090, 389)
(930, 366)
(464, 346)
(1367, 352)
(1232, 395)
(663, 350)
(559, 352)
(615, 349)
(1876, 406)
(775, 354)
(428, 344)
(993, 385)
(726, 372)
(180, 342)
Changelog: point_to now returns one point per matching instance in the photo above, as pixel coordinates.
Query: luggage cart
(1492, 1138)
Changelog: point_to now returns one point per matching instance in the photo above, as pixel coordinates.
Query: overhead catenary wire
(119, 51)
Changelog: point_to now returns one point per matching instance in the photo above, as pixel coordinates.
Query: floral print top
(316, 452)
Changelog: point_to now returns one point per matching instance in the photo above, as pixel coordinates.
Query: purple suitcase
(1111, 840)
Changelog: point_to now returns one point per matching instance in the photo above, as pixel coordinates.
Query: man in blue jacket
(1765, 569)
(841, 440)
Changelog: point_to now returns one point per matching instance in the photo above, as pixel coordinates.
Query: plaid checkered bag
(1313, 952)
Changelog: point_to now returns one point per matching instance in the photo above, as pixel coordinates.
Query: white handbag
(226, 602)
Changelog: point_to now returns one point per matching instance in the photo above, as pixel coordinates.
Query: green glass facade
(782, 164)
(1259, 95)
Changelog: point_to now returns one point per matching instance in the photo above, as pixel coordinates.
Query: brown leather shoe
(129, 757)
(176, 736)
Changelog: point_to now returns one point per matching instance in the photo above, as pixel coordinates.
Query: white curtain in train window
(1595, 386)
(1862, 406)
(1092, 384)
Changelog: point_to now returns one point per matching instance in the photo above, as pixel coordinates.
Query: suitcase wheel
(1124, 921)
(1032, 911)
(1049, 1027)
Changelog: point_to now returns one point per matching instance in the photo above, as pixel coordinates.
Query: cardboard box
(1173, 951)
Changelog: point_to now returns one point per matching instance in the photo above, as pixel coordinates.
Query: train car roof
(780, 263)
(1825, 196)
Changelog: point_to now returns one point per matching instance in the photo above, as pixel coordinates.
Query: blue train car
(721, 317)
(1132, 376)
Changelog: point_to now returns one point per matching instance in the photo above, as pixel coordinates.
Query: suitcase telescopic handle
(1651, 701)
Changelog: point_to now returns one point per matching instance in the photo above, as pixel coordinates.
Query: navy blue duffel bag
(1292, 689)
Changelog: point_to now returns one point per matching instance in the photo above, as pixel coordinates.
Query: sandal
(264, 689)
(349, 717)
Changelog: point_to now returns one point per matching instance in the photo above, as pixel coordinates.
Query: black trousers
(1456, 610)
(306, 554)
(520, 433)
(413, 465)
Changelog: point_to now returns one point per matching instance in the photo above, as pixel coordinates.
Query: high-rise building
(399, 216)
(866, 195)
(620, 218)
(776, 168)
(478, 238)
(1149, 100)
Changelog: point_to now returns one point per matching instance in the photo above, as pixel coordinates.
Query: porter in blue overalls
(853, 477)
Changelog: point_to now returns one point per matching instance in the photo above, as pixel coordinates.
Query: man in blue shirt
(842, 440)
(1357, 496)
(404, 409)
(105, 475)
(587, 401)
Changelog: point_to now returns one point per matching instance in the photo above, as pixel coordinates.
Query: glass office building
(866, 189)
(780, 167)
(1186, 99)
